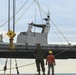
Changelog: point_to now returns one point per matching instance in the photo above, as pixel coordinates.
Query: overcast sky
(62, 13)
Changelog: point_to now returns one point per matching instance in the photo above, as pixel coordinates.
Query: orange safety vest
(50, 59)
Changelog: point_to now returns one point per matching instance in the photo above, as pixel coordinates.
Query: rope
(19, 66)
(64, 51)
(16, 66)
(5, 67)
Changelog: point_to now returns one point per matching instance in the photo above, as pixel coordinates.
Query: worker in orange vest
(51, 62)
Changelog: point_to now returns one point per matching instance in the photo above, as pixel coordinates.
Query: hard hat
(50, 52)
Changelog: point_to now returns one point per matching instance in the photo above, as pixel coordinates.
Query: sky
(62, 13)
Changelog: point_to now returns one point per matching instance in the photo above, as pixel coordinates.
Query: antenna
(35, 15)
(48, 8)
(35, 21)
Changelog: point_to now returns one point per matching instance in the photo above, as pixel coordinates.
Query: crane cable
(40, 10)
(5, 67)
(60, 31)
(11, 38)
(16, 22)
(24, 12)
(21, 15)
(63, 36)
(52, 22)
(14, 6)
(40, 7)
(57, 35)
(15, 14)
(55, 26)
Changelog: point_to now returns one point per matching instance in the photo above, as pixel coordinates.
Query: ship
(26, 43)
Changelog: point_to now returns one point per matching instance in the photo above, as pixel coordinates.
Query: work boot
(38, 72)
(52, 74)
(43, 73)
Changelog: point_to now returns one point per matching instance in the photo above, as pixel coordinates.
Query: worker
(39, 54)
(51, 62)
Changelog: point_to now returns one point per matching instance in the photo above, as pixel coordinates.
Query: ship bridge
(32, 38)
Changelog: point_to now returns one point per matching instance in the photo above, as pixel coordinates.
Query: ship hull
(25, 51)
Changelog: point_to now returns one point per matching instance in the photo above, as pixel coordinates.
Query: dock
(42, 74)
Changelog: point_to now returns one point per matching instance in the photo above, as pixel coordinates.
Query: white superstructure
(32, 38)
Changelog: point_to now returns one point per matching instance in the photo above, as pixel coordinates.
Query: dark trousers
(52, 68)
(38, 63)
